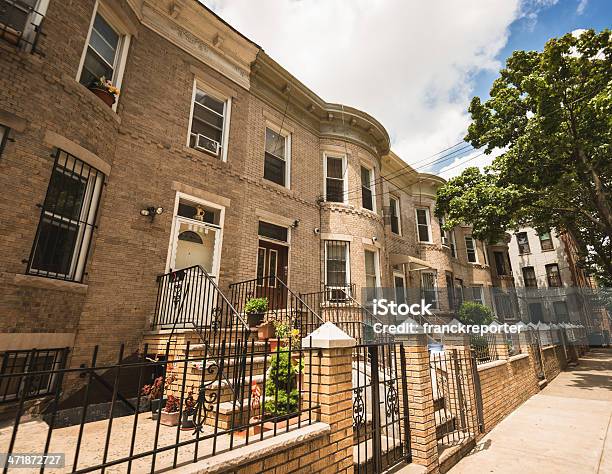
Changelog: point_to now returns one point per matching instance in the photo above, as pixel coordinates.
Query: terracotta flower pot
(104, 95)
(169, 419)
(265, 331)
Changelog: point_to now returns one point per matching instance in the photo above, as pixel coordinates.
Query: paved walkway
(566, 428)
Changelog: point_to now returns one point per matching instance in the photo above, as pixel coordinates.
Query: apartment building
(212, 155)
(551, 287)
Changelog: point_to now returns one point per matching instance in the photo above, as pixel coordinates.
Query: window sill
(42, 282)
(274, 185)
(200, 153)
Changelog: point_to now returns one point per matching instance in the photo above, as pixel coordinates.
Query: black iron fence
(484, 347)
(457, 396)
(381, 432)
(284, 307)
(20, 23)
(152, 411)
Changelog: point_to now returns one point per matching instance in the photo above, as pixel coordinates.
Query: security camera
(317, 231)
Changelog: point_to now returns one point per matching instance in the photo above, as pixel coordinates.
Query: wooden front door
(272, 261)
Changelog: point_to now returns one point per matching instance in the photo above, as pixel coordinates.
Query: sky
(412, 64)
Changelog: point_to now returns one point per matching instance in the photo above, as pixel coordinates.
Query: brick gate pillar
(332, 389)
(423, 442)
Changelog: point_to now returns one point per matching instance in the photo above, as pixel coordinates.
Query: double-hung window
(276, 168)
(394, 215)
(546, 241)
(209, 119)
(367, 185)
(103, 52)
(500, 263)
(423, 225)
(429, 288)
(529, 277)
(335, 176)
(445, 234)
(523, 243)
(470, 248)
(337, 272)
(371, 274)
(67, 220)
(553, 276)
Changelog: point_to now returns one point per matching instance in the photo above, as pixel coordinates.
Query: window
(334, 179)
(453, 244)
(476, 293)
(500, 263)
(394, 212)
(337, 268)
(18, 362)
(450, 291)
(271, 231)
(276, 167)
(561, 311)
(444, 233)
(485, 252)
(529, 277)
(428, 288)
(399, 282)
(546, 241)
(553, 276)
(367, 200)
(503, 306)
(470, 248)
(102, 53)
(423, 225)
(4, 132)
(20, 21)
(67, 219)
(209, 123)
(523, 243)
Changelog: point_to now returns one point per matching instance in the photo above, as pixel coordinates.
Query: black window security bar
(20, 23)
(181, 410)
(45, 361)
(67, 220)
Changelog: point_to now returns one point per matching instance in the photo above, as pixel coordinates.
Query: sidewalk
(566, 428)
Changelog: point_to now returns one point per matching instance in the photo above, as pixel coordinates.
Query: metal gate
(536, 347)
(457, 396)
(381, 433)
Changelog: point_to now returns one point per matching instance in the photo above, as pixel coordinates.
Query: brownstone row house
(212, 155)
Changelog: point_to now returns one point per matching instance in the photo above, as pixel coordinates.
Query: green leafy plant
(282, 394)
(256, 305)
(283, 331)
(471, 313)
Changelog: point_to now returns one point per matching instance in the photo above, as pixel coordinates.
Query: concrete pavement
(566, 428)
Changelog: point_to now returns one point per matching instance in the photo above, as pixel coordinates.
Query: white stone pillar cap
(328, 336)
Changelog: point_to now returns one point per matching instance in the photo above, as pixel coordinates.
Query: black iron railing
(337, 304)
(381, 425)
(20, 23)
(457, 397)
(484, 347)
(149, 414)
(284, 306)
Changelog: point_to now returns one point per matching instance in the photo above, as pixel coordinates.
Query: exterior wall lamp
(151, 212)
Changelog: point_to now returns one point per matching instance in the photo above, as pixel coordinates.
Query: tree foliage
(551, 113)
(473, 313)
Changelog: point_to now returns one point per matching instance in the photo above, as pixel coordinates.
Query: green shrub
(471, 313)
(256, 305)
(282, 395)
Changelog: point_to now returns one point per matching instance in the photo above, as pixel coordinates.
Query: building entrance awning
(414, 264)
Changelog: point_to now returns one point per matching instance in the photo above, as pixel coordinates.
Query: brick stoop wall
(553, 358)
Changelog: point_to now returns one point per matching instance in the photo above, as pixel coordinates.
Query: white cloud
(409, 64)
(582, 4)
(474, 158)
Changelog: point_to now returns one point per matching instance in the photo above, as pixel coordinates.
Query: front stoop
(236, 459)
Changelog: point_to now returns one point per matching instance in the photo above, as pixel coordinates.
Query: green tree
(551, 114)
(471, 313)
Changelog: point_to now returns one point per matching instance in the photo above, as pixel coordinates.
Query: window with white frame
(423, 225)
(546, 242)
(335, 178)
(429, 288)
(371, 274)
(367, 186)
(453, 243)
(477, 294)
(522, 240)
(103, 52)
(337, 268)
(67, 220)
(470, 248)
(399, 283)
(276, 160)
(209, 118)
(394, 215)
(444, 234)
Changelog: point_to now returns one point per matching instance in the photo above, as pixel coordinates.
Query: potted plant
(153, 391)
(188, 411)
(284, 334)
(255, 310)
(282, 391)
(105, 90)
(169, 416)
